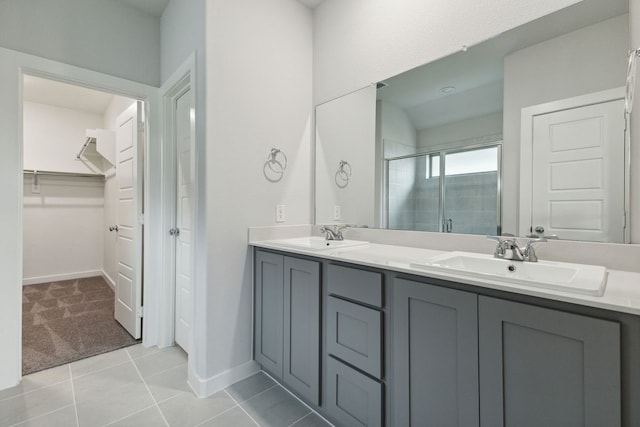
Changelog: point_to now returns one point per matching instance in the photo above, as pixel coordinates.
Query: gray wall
(105, 36)
(584, 61)
(634, 13)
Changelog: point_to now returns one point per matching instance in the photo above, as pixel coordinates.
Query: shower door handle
(448, 225)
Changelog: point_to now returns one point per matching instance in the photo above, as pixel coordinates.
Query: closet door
(128, 299)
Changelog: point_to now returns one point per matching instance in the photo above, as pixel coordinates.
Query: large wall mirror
(523, 134)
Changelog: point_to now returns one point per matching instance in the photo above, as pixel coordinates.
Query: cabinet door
(435, 356)
(353, 399)
(269, 311)
(354, 334)
(302, 327)
(541, 367)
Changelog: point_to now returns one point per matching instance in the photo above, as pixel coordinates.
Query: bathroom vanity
(366, 339)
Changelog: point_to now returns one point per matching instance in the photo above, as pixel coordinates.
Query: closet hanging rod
(89, 140)
(53, 173)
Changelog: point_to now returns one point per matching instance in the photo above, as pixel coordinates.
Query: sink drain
(511, 268)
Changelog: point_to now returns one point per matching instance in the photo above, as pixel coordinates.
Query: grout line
(166, 370)
(41, 416)
(148, 390)
(157, 350)
(34, 390)
(257, 394)
(241, 408)
(217, 415)
(300, 419)
(73, 393)
(313, 411)
(102, 369)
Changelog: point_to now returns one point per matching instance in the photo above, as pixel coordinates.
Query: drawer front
(354, 334)
(358, 285)
(353, 399)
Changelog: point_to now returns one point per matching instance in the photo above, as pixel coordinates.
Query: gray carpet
(67, 321)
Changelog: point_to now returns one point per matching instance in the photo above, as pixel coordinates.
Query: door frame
(528, 114)
(13, 67)
(182, 80)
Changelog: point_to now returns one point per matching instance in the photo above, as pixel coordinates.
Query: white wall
(62, 229)
(459, 134)
(587, 60)
(105, 36)
(345, 131)
(395, 125)
(53, 136)
(62, 225)
(358, 42)
(259, 80)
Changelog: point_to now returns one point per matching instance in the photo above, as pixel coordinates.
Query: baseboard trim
(204, 387)
(109, 280)
(59, 277)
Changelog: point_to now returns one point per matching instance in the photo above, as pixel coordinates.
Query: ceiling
(65, 95)
(478, 70)
(152, 7)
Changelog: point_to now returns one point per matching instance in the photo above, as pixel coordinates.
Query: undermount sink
(561, 276)
(317, 243)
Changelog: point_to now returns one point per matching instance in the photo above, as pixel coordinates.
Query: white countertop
(622, 292)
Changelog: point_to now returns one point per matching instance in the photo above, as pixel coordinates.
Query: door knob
(174, 232)
(113, 228)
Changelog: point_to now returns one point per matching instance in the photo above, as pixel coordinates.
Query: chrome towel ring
(275, 165)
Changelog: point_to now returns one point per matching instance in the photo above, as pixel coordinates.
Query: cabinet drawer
(354, 334)
(352, 398)
(354, 284)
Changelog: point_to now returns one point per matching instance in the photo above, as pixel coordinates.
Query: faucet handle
(529, 251)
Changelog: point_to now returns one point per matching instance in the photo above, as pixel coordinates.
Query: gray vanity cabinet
(269, 311)
(287, 321)
(542, 367)
(435, 356)
(354, 350)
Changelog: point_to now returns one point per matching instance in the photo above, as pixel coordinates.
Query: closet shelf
(99, 149)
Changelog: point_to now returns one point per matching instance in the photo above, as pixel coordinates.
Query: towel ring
(631, 80)
(343, 174)
(275, 165)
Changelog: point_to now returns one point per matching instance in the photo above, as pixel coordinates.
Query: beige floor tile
(137, 351)
(110, 394)
(168, 383)
(99, 362)
(150, 417)
(65, 417)
(161, 361)
(38, 380)
(234, 417)
(35, 403)
(186, 410)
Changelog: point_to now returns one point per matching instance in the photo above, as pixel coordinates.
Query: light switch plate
(280, 213)
(337, 214)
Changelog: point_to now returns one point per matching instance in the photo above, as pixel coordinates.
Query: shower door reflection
(466, 201)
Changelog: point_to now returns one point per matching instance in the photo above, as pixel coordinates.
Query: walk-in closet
(75, 228)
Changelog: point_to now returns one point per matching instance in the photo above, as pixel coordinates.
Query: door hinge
(140, 125)
(141, 219)
(140, 312)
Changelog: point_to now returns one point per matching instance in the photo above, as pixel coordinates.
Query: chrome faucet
(508, 249)
(334, 233)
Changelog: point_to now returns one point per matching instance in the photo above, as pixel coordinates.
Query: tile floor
(140, 387)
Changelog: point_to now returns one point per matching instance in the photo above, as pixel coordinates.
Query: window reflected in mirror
(466, 201)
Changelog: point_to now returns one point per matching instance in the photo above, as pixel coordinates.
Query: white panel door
(578, 172)
(128, 298)
(185, 133)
